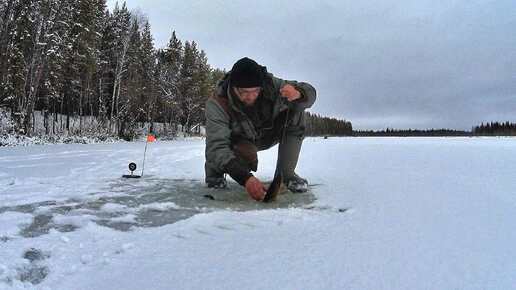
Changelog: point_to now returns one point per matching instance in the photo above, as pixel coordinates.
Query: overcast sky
(397, 64)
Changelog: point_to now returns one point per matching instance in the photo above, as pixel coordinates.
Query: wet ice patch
(72, 219)
(27, 208)
(149, 202)
(42, 224)
(191, 194)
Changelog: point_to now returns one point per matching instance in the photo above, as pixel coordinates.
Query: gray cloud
(416, 64)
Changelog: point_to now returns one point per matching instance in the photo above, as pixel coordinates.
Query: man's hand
(290, 92)
(255, 188)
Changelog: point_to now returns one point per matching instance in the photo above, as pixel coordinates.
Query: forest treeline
(411, 133)
(488, 129)
(80, 60)
(495, 129)
(317, 125)
(77, 58)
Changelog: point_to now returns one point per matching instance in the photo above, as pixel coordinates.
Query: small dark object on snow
(325, 137)
(209, 196)
(132, 167)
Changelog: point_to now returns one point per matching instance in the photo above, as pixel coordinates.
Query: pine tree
(169, 62)
(105, 72)
(34, 26)
(121, 30)
(188, 88)
(202, 77)
(58, 45)
(148, 64)
(130, 103)
(11, 55)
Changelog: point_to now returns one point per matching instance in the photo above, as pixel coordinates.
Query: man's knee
(248, 152)
(296, 125)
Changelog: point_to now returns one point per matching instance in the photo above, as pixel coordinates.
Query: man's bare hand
(255, 188)
(290, 92)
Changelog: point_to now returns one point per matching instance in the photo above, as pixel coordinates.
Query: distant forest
(99, 70)
(317, 125)
(487, 129)
(411, 133)
(495, 129)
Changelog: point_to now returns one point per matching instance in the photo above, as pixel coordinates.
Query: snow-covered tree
(35, 25)
(169, 64)
(120, 22)
(148, 65)
(130, 108)
(75, 58)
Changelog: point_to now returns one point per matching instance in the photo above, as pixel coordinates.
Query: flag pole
(150, 138)
(144, 153)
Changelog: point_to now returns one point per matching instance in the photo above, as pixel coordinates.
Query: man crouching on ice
(246, 115)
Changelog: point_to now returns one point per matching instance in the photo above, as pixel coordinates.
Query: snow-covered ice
(385, 213)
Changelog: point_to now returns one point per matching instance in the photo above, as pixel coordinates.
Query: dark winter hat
(246, 73)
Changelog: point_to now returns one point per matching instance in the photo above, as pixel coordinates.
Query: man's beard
(248, 105)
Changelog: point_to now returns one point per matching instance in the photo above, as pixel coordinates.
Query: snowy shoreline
(24, 141)
(20, 140)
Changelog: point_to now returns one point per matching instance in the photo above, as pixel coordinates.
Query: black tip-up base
(130, 176)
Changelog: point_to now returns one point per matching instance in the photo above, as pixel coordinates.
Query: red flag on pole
(151, 138)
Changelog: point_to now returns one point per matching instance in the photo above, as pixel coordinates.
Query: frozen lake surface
(384, 213)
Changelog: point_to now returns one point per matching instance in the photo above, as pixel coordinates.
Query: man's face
(248, 96)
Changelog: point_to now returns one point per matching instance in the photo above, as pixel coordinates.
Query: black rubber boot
(297, 184)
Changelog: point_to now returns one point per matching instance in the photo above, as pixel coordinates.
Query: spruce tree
(148, 65)
(121, 30)
(169, 65)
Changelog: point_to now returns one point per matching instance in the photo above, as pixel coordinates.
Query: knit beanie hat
(246, 73)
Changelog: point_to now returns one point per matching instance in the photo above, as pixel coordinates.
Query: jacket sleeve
(308, 93)
(218, 144)
(218, 135)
